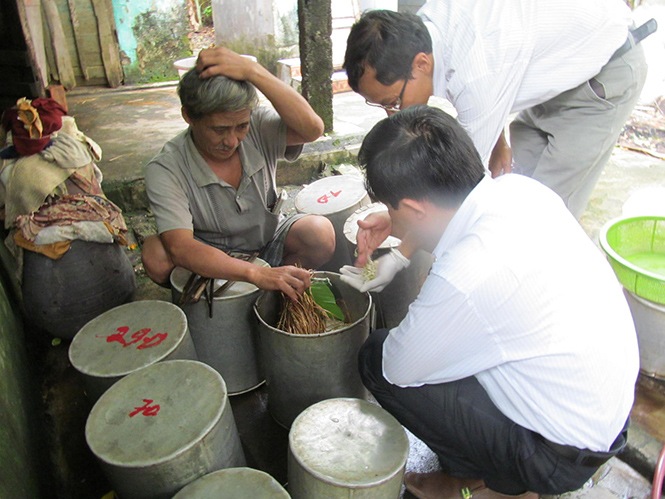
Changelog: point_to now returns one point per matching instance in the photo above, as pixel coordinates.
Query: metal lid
(351, 225)
(156, 413)
(349, 442)
(179, 278)
(331, 195)
(127, 338)
(234, 483)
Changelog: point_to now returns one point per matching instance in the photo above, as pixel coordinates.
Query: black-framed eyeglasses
(394, 107)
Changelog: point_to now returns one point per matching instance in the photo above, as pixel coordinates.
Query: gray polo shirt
(184, 193)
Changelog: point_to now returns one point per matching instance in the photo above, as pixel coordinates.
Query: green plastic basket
(635, 247)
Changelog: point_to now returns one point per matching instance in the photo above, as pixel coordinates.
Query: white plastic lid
(331, 195)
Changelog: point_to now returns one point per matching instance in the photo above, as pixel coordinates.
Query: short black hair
(388, 41)
(420, 153)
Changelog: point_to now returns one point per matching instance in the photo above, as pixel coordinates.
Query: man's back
(522, 299)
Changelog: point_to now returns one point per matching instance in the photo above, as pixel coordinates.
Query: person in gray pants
(572, 70)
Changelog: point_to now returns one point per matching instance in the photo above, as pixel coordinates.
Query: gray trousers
(566, 142)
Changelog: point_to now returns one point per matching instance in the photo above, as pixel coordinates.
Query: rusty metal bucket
(304, 369)
(227, 340)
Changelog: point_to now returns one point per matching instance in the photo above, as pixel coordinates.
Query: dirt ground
(645, 130)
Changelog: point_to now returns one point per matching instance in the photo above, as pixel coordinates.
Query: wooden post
(30, 15)
(63, 61)
(315, 24)
(78, 36)
(108, 41)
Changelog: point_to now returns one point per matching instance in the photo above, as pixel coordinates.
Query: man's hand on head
(223, 61)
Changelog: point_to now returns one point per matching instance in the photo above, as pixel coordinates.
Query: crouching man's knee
(310, 242)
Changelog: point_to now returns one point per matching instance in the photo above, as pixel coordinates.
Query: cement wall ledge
(130, 193)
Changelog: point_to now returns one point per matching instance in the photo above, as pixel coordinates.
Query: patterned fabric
(68, 209)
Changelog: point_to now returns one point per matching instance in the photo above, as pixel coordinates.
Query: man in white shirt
(571, 68)
(517, 362)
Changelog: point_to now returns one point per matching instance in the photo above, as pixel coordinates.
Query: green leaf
(323, 295)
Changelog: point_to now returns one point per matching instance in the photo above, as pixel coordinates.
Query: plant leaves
(323, 295)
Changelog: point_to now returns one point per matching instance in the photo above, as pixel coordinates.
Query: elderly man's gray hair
(217, 94)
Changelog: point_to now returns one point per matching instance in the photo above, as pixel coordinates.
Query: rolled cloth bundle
(28, 135)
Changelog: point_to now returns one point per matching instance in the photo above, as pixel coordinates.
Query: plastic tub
(184, 65)
(635, 247)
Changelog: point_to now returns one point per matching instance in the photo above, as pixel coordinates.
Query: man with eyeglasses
(572, 69)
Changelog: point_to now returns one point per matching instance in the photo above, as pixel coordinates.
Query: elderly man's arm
(303, 124)
(207, 261)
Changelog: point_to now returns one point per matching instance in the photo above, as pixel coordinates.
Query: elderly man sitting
(212, 188)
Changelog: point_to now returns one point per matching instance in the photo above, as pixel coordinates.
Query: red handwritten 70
(147, 409)
(139, 336)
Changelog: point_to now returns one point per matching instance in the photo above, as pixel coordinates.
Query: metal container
(227, 340)
(342, 448)
(304, 369)
(161, 428)
(392, 303)
(234, 483)
(336, 198)
(649, 319)
(128, 338)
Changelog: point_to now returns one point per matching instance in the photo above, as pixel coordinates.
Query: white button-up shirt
(521, 298)
(493, 58)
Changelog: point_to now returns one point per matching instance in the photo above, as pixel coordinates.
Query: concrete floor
(131, 125)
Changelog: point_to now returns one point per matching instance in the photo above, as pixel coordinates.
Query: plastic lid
(331, 195)
(127, 338)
